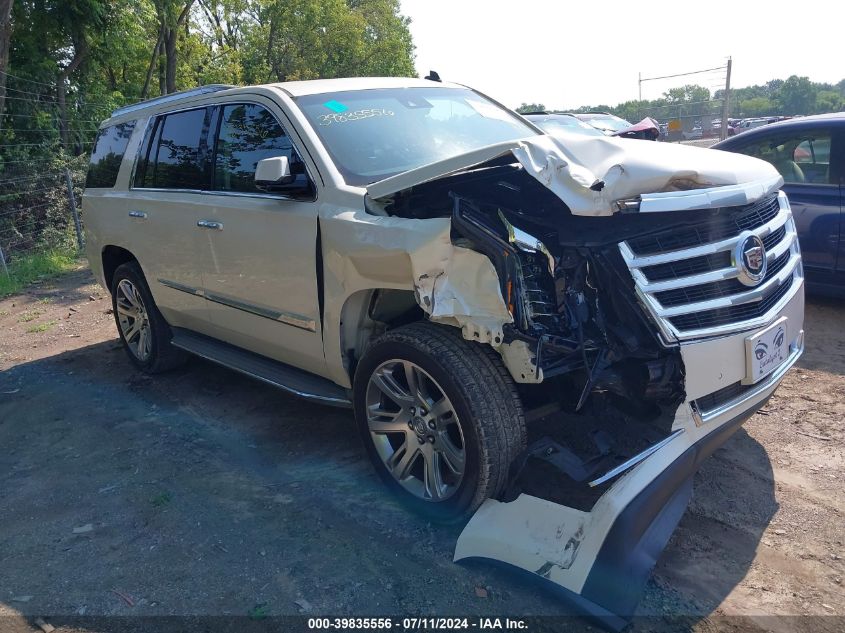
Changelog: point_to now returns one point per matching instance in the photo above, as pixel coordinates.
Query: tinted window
(250, 133)
(176, 156)
(107, 153)
(800, 157)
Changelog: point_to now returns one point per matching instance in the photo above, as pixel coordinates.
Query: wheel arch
(366, 314)
(113, 256)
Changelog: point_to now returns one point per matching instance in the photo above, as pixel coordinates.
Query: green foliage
(120, 56)
(531, 107)
(795, 95)
(40, 327)
(36, 266)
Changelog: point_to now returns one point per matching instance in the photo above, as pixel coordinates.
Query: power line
(40, 83)
(694, 72)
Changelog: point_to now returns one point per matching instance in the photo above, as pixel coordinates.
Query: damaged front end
(618, 305)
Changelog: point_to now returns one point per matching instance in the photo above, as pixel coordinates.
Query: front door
(260, 270)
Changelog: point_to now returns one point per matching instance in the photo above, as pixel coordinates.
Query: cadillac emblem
(750, 259)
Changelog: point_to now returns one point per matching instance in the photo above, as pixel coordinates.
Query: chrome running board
(295, 381)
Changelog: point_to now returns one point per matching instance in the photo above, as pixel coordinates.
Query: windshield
(373, 134)
(605, 122)
(554, 123)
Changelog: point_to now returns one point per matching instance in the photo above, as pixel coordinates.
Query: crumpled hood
(591, 175)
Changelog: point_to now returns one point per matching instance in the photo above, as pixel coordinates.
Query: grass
(28, 268)
(40, 327)
(28, 316)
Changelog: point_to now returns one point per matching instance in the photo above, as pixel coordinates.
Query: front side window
(107, 154)
(176, 155)
(250, 133)
(373, 134)
(800, 157)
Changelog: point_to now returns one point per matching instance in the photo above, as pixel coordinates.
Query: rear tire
(440, 417)
(143, 331)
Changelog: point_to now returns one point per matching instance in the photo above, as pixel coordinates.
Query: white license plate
(765, 351)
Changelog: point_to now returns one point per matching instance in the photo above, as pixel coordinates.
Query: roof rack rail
(173, 96)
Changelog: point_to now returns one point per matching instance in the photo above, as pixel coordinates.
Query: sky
(569, 54)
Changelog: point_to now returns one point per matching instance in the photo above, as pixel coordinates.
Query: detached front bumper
(600, 560)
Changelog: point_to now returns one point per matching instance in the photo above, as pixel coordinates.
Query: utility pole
(640, 83)
(726, 102)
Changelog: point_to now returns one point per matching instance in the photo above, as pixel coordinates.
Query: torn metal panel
(462, 290)
(592, 176)
(453, 285)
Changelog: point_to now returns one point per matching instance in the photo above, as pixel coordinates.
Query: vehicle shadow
(824, 337)
(119, 483)
(717, 539)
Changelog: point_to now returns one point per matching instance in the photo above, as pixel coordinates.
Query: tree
(5, 43)
(531, 107)
(310, 39)
(797, 96)
(690, 93)
(172, 17)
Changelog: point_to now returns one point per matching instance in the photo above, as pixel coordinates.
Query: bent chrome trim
(709, 198)
(288, 318)
(636, 459)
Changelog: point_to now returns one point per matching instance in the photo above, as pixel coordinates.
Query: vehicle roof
(319, 86)
(538, 115)
(814, 120)
(291, 88)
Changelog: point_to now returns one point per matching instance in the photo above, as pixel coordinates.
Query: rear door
(164, 208)
(261, 259)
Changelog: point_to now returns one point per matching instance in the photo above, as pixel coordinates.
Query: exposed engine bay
(595, 358)
(609, 284)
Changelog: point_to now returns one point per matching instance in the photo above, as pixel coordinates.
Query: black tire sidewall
(455, 507)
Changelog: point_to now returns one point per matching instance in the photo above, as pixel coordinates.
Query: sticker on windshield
(336, 106)
(357, 115)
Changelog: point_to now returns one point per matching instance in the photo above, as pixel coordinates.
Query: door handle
(210, 224)
(138, 214)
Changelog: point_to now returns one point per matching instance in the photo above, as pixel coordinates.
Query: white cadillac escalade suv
(545, 336)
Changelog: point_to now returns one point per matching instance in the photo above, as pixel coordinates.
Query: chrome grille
(692, 289)
(709, 230)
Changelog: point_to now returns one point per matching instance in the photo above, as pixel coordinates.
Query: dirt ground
(201, 492)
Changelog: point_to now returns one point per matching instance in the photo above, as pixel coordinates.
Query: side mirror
(271, 173)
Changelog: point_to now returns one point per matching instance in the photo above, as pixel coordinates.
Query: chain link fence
(39, 211)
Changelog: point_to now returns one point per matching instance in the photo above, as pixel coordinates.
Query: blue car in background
(809, 152)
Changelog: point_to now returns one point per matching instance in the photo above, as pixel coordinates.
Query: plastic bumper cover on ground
(600, 560)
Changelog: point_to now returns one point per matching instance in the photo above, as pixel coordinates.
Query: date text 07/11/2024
(417, 624)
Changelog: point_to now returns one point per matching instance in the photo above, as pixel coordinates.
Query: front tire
(143, 331)
(440, 417)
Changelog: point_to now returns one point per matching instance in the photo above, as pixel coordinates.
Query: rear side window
(250, 133)
(107, 154)
(176, 156)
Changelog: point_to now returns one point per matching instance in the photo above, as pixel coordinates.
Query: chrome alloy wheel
(133, 319)
(415, 430)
